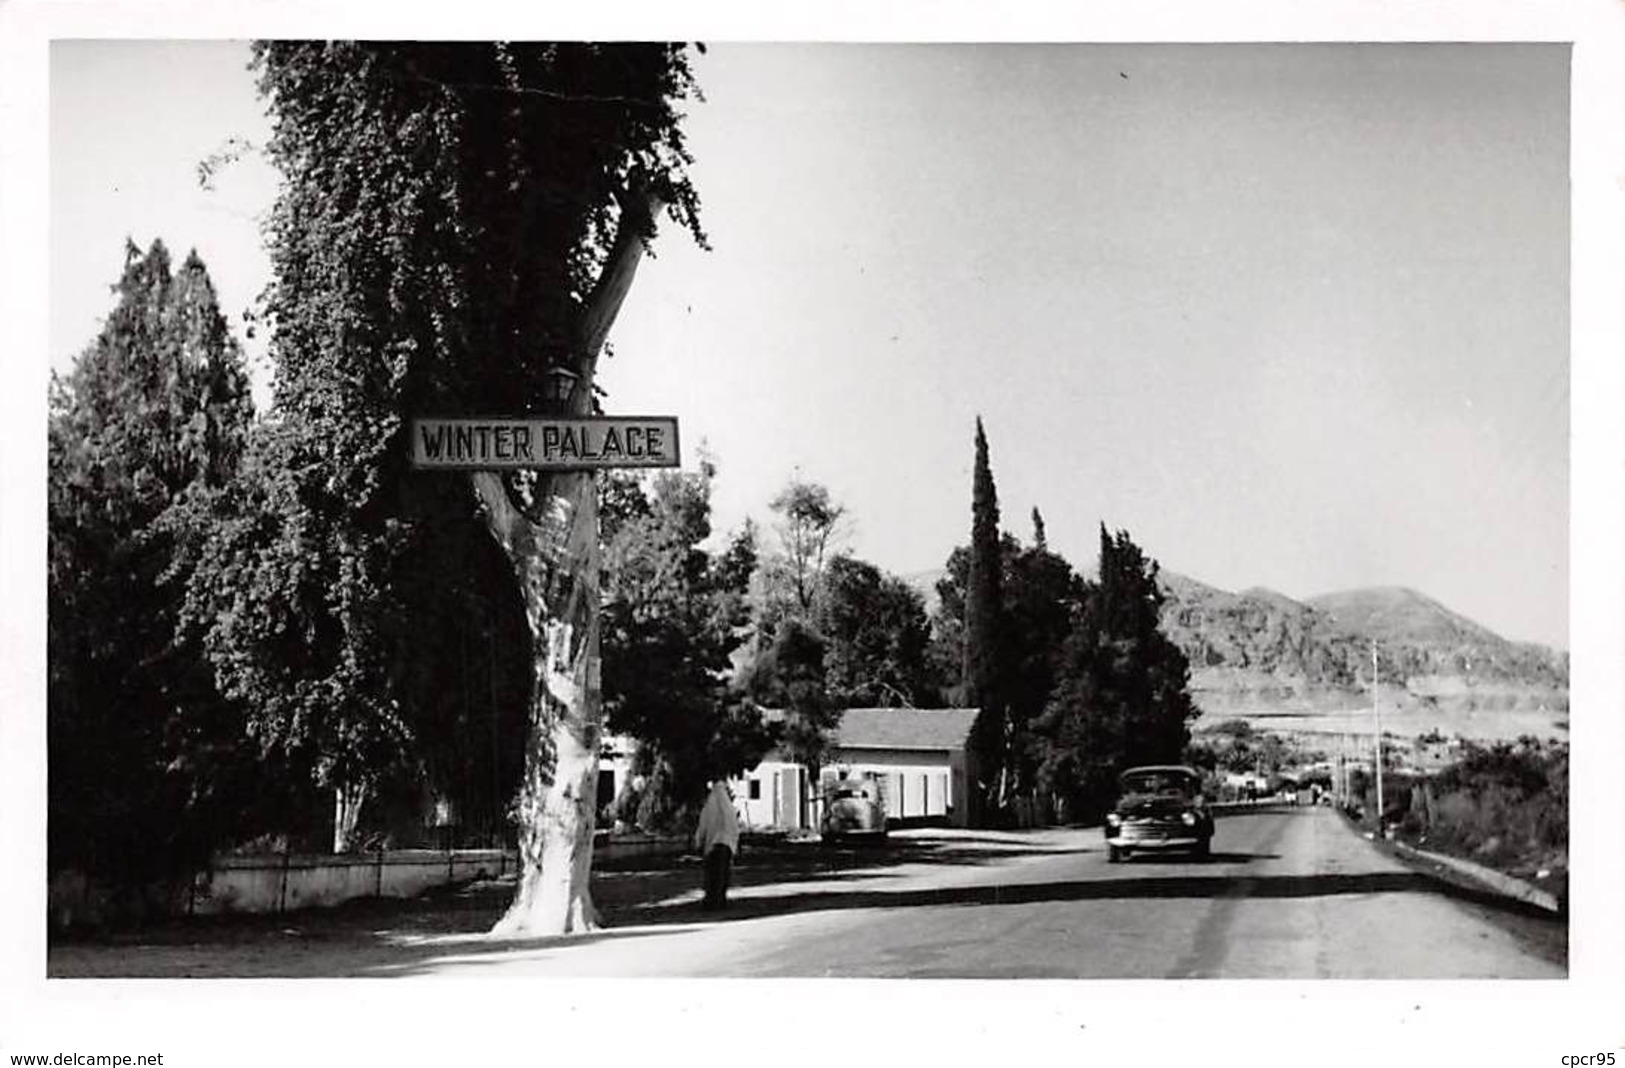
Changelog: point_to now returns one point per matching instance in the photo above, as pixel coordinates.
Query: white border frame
(323, 1022)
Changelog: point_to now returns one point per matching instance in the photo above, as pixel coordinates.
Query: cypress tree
(984, 600)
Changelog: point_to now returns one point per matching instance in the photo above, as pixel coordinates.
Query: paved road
(1287, 894)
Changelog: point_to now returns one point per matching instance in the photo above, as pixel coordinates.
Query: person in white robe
(717, 840)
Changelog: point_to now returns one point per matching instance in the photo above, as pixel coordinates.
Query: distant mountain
(1393, 613)
(1259, 631)
(1260, 651)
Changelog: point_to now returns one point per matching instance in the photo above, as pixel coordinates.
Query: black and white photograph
(858, 508)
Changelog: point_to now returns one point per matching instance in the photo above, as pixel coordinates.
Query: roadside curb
(1489, 879)
(1500, 882)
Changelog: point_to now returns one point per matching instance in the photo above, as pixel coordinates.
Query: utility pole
(1345, 747)
(1376, 715)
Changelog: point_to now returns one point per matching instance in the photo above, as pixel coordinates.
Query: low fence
(283, 882)
(302, 880)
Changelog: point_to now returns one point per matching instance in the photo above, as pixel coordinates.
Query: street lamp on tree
(561, 387)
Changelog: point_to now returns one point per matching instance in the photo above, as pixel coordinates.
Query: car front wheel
(1114, 855)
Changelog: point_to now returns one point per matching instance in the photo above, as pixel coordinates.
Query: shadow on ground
(388, 936)
(1146, 886)
(446, 928)
(659, 896)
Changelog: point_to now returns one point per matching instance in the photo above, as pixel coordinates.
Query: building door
(792, 799)
(913, 794)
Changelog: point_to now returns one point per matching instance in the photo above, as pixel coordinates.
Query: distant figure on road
(717, 839)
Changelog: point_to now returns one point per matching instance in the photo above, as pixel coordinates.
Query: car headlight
(1113, 819)
(1188, 818)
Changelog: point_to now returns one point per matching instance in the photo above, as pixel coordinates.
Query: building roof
(904, 728)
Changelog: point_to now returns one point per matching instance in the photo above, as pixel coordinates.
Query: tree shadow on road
(659, 880)
(1143, 887)
(446, 932)
(446, 929)
(1215, 857)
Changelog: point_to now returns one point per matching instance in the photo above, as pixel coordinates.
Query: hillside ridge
(1262, 652)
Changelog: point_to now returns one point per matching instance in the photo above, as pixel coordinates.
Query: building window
(756, 789)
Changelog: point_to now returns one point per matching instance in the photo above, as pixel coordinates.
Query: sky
(1294, 316)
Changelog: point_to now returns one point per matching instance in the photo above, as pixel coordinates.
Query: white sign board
(564, 444)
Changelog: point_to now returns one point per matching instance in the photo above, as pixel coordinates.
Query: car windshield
(1158, 782)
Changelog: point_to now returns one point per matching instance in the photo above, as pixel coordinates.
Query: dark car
(1159, 807)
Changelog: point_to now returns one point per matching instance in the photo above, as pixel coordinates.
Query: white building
(918, 755)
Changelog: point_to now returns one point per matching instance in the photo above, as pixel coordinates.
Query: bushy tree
(1042, 596)
(1121, 696)
(1235, 745)
(674, 614)
(1505, 804)
(791, 675)
(808, 525)
(145, 776)
(1524, 768)
(458, 221)
(877, 634)
(786, 663)
(831, 631)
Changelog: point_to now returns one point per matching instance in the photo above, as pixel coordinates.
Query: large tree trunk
(552, 543)
(556, 562)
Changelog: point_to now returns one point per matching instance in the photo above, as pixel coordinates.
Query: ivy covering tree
(458, 225)
(1120, 697)
(145, 774)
